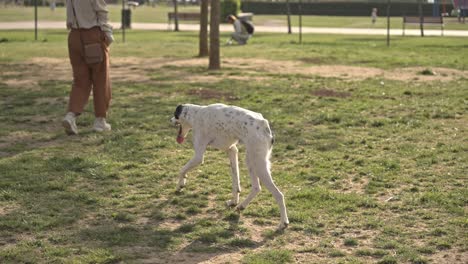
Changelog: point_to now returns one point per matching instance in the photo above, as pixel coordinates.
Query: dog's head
(180, 120)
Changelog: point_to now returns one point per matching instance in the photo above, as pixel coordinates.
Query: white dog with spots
(222, 127)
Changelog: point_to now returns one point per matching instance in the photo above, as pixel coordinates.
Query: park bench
(425, 21)
(182, 16)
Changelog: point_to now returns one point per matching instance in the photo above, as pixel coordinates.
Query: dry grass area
(135, 69)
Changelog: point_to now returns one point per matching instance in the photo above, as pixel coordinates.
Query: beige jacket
(89, 13)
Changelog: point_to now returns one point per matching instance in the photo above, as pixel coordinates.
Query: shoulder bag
(93, 53)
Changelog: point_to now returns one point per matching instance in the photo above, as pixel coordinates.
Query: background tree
(176, 16)
(203, 41)
(215, 18)
(421, 19)
(229, 7)
(288, 12)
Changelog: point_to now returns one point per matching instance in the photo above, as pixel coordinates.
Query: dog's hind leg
(250, 160)
(196, 160)
(264, 174)
(236, 188)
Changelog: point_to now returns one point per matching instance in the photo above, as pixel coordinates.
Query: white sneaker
(69, 123)
(100, 125)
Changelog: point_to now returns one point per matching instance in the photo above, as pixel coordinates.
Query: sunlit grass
(371, 172)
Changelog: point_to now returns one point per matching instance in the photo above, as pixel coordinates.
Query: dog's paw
(231, 203)
(282, 226)
(179, 190)
(239, 208)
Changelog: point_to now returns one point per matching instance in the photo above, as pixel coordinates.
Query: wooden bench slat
(184, 16)
(425, 20)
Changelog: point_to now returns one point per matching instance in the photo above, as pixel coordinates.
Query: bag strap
(74, 13)
(79, 31)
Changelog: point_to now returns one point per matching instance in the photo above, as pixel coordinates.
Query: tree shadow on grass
(154, 243)
(112, 234)
(224, 243)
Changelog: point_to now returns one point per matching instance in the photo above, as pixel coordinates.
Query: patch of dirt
(6, 209)
(333, 71)
(356, 186)
(225, 258)
(450, 256)
(330, 93)
(14, 137)
(31, 139)
(198, 79)
(183, 257)
(255, 230)
(20, 82)
(416, 74)
(169, 225)
(132, 69)
(211, 94)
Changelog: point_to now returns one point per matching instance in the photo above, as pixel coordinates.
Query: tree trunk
(421, 18)
(288, 11)
(176, 16)
(300, 21)
(215, 17)
(203, 41)
(388, 23)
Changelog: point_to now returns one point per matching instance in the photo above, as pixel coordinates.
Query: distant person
(88, 24)
(243, 30)
(52, 5)
(374, 15)
(463, 5)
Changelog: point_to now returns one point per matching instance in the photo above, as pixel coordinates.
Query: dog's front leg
(196, 160)
(236, 188)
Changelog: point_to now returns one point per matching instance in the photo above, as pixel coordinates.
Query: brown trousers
(87, 77)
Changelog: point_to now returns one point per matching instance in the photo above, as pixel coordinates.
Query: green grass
(269, 256)
(371, 172)
(370, 51)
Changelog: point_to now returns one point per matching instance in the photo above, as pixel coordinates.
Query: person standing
(374, 15)
(462, 8)
(52, 5)
(87, 21)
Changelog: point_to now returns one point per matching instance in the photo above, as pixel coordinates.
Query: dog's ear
(178, 111)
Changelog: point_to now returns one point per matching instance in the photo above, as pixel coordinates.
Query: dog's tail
(271, 136)
(260, 143)
(269, 133)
